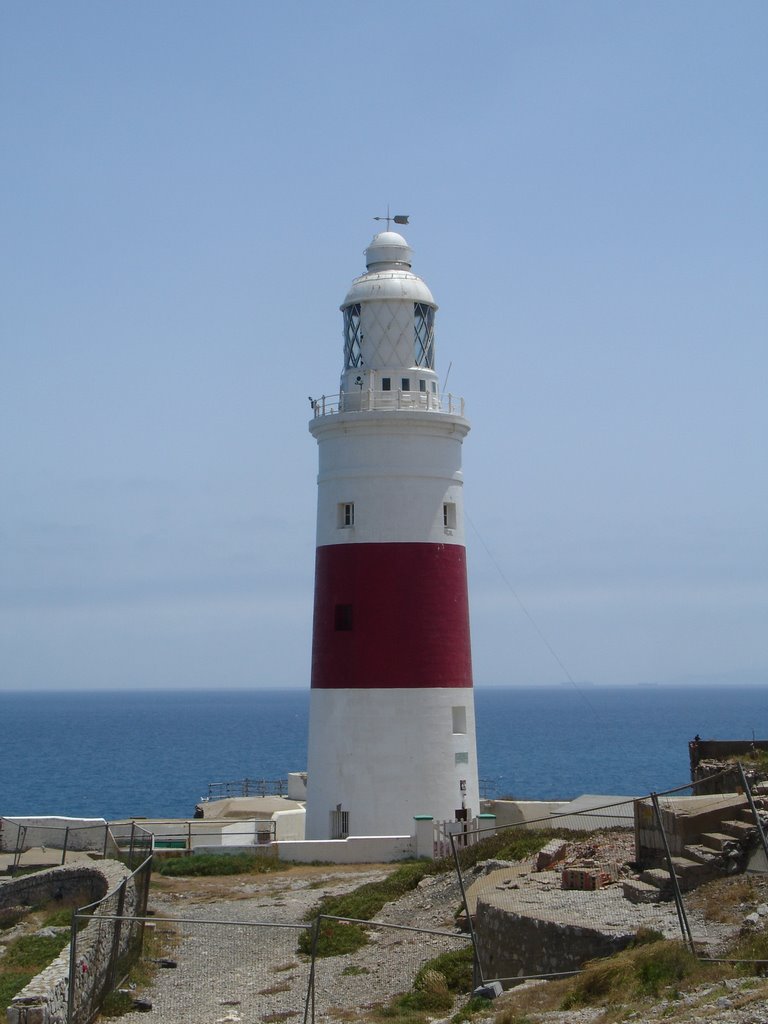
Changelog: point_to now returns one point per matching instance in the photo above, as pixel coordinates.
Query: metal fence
(106, 938)
(606, 873)
(206, 969)
(32, 845)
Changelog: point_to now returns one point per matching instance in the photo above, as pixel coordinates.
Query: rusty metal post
(682, 917)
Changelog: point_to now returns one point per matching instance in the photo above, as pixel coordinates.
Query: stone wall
(512, 945)
(44, 999)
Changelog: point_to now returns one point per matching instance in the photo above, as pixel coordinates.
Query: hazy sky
(186, 190)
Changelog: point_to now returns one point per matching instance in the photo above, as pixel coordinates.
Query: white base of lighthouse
(381, 737)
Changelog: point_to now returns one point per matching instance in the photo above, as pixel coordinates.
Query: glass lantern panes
(353, 355)
(424, 339)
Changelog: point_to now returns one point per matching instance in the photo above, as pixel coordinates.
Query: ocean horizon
(152, 753)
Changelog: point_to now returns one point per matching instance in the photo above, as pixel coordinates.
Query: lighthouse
(392, 723)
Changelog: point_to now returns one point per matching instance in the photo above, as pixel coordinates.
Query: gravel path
(232, 970)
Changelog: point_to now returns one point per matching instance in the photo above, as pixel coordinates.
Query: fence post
(106, 840)
(685, 928)
(72, 969)
(117, 924)
(477, 967)
(21, 835)
(309, 1003)
(753, 808)
(66, 844)
(130, 848)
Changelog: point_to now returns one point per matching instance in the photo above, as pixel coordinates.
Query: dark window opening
(406, 384)
(386, 383)
(342, 618)
(423, 386)
(424, 335)
(353, 337)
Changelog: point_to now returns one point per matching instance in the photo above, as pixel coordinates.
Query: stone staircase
(714, 854)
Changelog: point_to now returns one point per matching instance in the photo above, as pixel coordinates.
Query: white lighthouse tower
(392, 723)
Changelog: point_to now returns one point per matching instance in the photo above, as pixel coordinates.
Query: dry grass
(726, 900)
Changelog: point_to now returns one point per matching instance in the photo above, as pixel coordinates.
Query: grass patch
(454, 966)
(212, 864)
(750, 946)
(11, 983)
(24, 958)
(334, 938)
(650, 969)
(116, 1004)
(34, 952)
(435, 986)
(722, 899)
(367, 900)
(508, 844)
(355, 969)
(477, 1004)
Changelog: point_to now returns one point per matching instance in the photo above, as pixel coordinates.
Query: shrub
(644, 970)
(455, 967)
(334, 938)
(205, 864)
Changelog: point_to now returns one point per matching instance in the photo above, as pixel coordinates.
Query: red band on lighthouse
(391, 615)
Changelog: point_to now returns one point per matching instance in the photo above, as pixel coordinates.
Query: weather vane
(399, 218)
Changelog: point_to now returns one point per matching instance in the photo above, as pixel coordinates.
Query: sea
(141, 753)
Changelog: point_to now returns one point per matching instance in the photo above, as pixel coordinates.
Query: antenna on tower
(399, 218)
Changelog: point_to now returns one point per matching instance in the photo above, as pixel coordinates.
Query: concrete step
(704, 855)
(642, 892)
(718, 841)
(658, 877)
(691, 872)
(738, 829)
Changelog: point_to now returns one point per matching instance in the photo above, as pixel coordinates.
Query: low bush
(455, 966)
(205, 864)
(645, 970)
(334, 938)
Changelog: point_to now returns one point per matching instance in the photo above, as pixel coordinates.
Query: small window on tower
(342, 618)
(346, 516)
(405, 384)
(449, 515)
(423, 386)
(434, 387)
(386, 383)
(459, 716)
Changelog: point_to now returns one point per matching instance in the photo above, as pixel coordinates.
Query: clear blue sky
(186, 190)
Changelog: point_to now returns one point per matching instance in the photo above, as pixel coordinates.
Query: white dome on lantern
(388, 248)
(389, 276)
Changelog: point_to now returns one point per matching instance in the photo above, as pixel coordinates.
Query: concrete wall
(515, 946)
(527, 813)
(289, 825)
(79, 833)
(354, 850)
(297, 785)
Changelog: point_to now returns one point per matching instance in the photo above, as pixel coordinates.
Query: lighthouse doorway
(339, 823)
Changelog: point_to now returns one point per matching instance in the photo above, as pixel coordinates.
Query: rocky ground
(231, 971)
